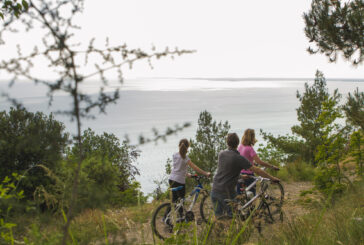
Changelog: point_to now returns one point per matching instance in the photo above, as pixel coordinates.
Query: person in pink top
(246, 150)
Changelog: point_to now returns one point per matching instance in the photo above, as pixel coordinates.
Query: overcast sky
(233, 38)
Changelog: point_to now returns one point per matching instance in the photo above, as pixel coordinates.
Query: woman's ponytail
(183, 147)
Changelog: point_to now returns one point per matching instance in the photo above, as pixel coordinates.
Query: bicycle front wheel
(163, 221)
(206, 208)
(273, 197)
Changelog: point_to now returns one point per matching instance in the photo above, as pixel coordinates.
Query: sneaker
(180, 220)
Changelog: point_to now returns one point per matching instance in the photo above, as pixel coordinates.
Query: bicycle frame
(261, 179)
(191, 197)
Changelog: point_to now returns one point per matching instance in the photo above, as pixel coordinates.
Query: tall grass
(296, 171)
(341, 223)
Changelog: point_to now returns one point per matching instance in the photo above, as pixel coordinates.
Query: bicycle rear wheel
(273, 199)
(163, 221)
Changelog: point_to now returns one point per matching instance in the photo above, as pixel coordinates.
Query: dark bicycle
(268, 208)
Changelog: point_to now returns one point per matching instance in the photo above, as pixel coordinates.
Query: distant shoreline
(236, 79)
(233, 79)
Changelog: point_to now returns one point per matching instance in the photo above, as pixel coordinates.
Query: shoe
(180, 220)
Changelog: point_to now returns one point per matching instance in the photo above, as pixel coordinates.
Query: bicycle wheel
(163, 221)
(273, 199)
(206, 208)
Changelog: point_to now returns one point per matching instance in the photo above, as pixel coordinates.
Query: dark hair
(232, 140)
(183, 146)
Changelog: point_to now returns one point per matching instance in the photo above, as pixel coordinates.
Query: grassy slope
(305, 223)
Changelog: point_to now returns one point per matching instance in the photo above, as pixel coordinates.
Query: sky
(232, 38)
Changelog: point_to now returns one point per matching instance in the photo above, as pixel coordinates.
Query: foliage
(332, 150)
(61, 55)
(295, 171)
(36, 236)
(307, 136)
(356, 151)
(13, 7)
(107, 147)
(208, 142)
(27, 140)
(108, 172)
(8, 191)
(342, 223)
(162, 136)
(281, 149)
(354, 109)
(336, 26)
(161, 191)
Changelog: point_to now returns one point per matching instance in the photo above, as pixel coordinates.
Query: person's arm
(264, 174)
(264, 164)
(197, 169)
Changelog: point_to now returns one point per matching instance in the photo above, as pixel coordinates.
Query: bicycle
(165, 217)
(269, 208)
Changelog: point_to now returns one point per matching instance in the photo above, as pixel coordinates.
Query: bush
(301, 171)
(107, 176)
(26, 140)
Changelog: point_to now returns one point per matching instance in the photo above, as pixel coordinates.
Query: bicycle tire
(206, 208)
(273, 202)
(160, 227)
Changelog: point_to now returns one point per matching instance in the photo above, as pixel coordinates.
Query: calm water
(162, 103)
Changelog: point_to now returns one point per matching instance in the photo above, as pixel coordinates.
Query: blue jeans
(220, 206)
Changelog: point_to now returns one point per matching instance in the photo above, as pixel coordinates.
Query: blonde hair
(248, 137)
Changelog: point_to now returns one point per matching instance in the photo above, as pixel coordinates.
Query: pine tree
(209, 141)
(337, 27)
(308, 135)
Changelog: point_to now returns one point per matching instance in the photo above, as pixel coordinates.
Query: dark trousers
(176, 195)
(220, 206)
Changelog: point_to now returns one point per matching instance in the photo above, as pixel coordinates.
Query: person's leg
(218, 208)
(225, 206)
(176, 195)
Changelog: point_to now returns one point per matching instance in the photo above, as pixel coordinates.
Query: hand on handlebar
(275, 168)
(275, 180)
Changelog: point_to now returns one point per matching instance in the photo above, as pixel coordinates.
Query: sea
(145, 103)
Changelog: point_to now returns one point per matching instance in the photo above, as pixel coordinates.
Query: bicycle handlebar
(198, 177)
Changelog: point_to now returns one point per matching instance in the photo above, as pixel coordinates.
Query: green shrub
(301, 171)
(107, 176)
(295, 171)
(26, 140)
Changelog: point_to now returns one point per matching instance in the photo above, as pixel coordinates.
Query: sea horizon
(161, 103)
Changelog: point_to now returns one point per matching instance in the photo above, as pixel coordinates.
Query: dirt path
(140, 232)
(291, 208)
